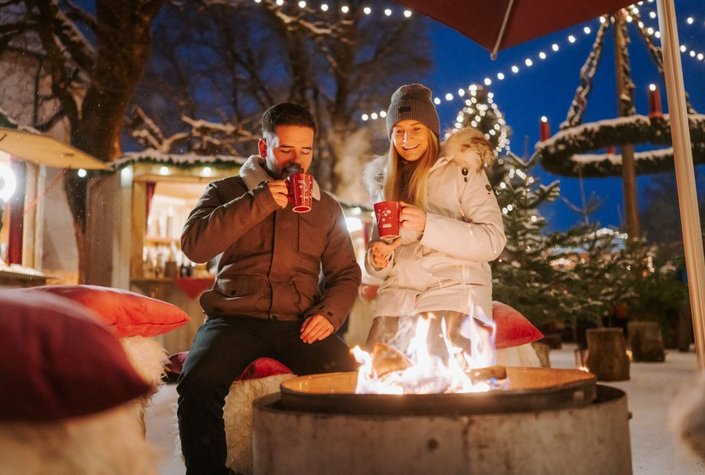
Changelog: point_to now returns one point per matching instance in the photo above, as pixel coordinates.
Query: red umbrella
(500, 24)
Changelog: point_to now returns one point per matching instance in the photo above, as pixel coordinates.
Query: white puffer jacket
(448, 268)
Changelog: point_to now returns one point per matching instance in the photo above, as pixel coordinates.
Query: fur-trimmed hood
(468, 147)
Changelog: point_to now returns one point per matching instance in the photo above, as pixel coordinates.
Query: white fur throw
(238, 418)
(110, 442)
(237, 415)
(687, 417)
(522, 355)
(147, 356)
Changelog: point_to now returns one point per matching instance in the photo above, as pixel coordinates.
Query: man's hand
(316, 327)
(279, 192)
(382, 252)
(412, 217)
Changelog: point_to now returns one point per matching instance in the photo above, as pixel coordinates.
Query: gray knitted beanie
(413, 102)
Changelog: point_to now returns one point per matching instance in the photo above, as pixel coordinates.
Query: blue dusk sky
(548, 86)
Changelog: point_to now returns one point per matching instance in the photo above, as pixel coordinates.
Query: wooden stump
(542, 350)
(646, 341)
(553, 340)
(607, 354)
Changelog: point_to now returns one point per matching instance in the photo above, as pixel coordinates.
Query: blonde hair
(412, 189)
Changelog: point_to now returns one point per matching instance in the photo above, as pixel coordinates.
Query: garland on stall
(187, 160)
(561, 154)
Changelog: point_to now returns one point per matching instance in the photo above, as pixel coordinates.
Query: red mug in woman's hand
(387, 214)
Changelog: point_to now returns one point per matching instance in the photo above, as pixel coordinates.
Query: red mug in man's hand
(300, 186)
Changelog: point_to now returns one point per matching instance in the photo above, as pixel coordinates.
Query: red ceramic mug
(387, 214)
(300, 188)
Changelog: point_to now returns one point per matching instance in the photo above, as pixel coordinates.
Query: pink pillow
(129, 313)
(59, 361)
(513, 329)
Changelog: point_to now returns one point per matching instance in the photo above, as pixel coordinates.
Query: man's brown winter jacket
(271, 258)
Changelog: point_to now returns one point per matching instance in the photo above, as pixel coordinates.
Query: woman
(451, 224)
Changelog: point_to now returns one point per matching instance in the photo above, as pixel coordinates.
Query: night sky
(548, 87)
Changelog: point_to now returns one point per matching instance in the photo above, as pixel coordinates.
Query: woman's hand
(412, 217)
(382, 252)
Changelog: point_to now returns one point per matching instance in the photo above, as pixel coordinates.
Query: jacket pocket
(240, 286)
(307, 293)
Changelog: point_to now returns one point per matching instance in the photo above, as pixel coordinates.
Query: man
(266, 300)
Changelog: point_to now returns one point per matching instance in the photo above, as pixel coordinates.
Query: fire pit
(545, 421)
(529, 389)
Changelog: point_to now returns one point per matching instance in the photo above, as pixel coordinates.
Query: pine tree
(482, 113)
(575, 277)
(523, 276)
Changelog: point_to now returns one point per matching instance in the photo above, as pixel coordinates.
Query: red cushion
(513, 329)
(259, 368)
(129, 313)
(263, 367)
(176, 362)
(59, 361)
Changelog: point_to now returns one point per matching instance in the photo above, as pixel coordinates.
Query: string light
(556, 47)
(324, 7)
(697, 55)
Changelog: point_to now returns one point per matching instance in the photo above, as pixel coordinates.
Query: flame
(420, 368)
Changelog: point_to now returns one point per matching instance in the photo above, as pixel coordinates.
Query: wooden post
(685, 173)
(646, 341)
(542, 351)
(631, 209)
(607, 354)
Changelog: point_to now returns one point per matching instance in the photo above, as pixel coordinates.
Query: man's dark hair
(286, 113)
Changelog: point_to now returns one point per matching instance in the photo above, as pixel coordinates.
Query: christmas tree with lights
(523, 276)
(482, 113)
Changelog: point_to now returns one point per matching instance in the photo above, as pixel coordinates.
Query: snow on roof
(7, 121)
(181, 160)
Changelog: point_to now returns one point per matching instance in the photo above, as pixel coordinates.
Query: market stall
(25, 156)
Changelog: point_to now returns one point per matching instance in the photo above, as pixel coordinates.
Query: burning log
(386, 359)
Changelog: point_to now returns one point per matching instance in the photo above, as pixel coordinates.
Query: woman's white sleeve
(480, 236)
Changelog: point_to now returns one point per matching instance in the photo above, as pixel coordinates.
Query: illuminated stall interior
(25, 179)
